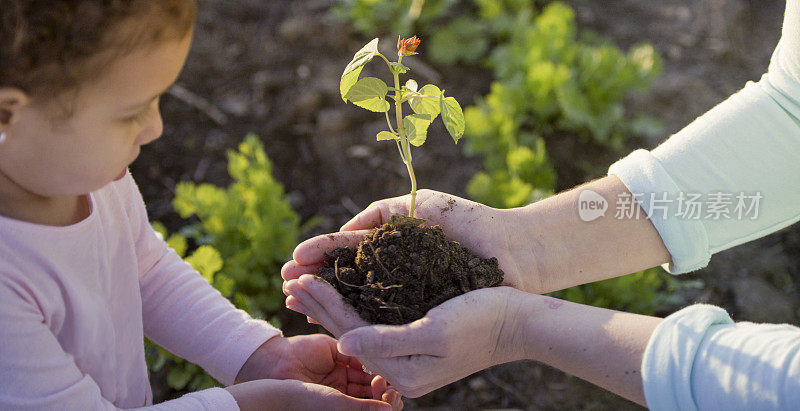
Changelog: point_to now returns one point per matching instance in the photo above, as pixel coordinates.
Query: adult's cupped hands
(455, 339)
(486, 231)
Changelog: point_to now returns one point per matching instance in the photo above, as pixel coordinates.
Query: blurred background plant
(239, 239)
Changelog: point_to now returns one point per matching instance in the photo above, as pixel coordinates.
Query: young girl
(83, 276)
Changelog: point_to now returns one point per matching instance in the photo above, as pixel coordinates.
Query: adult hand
(455, 339)
(487, 232)
(314, 359)
(296, 395)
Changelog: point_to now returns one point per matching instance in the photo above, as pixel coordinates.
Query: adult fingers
(376, 214)
(294, 304)
(326, 297)
(312, 251)
(387, 341)
(292, 270)
(311, 307)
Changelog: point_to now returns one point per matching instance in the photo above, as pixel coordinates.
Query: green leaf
(464, 40)
(177, 378)
(347, 82)
(386, 135)
(206, 260)
(225, 284)
(178, 243)
(353, 69)
(412, 85)
(416, 126)
(427, 105)
(398, 68)
(453, 117)
(369, 93)
(160, 228)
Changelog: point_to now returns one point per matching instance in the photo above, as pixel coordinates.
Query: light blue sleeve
(698, 359)
(743, 153)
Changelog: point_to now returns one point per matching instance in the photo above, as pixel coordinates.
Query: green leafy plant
(550, 84)
(241, 237)
(427, 103)
(647, 292)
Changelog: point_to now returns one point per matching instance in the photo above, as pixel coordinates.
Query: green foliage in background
(454, 30)
(243, 234)
(250, 223)
(645, 292)
(550, 82)
(395, 17)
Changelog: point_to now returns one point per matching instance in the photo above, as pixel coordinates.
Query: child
(83, 276)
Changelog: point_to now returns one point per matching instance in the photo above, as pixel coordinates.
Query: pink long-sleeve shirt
(76, 301)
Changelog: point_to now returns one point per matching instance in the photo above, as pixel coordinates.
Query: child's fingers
(361, 391)
(292, 270)
(312, 251)
(341, 401)
(394, 398)
(381, 390)
(379, 386)
(359, 376)
(350, 362)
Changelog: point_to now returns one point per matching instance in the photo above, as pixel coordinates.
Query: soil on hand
(403, 269)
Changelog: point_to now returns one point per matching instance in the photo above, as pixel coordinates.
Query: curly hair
(49, 47)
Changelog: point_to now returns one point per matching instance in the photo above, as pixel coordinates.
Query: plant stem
(398, 108)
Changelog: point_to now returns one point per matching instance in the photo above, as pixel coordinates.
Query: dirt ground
(272, 67)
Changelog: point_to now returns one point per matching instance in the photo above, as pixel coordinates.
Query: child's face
(114, 116)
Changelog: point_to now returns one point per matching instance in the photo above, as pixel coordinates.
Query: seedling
(426, 103)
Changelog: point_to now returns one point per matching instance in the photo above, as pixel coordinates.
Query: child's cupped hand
(298, 395)
(315, 359)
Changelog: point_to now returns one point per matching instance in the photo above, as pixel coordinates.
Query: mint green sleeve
(747, 145)
(699, 359)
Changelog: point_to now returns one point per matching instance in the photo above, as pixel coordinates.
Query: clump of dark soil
(405, 268)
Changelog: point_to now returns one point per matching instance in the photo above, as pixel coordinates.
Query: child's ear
(12, 100)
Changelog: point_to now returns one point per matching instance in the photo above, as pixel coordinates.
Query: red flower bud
(406, 47)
